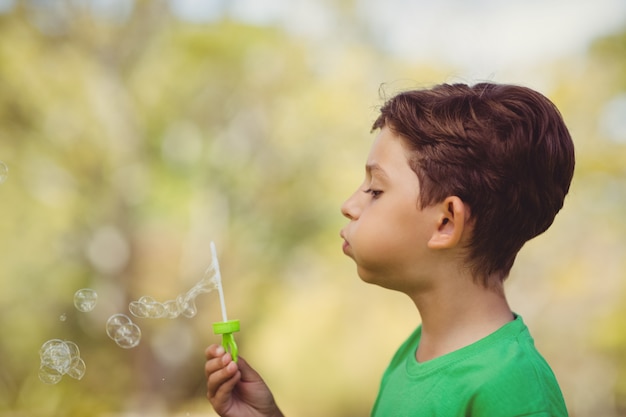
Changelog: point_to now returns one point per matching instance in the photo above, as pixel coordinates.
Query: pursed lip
(346, 244)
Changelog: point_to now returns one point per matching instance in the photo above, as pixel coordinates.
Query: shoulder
(515, 377)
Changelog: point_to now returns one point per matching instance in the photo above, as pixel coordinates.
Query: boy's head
(503, 149)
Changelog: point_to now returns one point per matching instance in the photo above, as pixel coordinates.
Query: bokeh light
(4, 172)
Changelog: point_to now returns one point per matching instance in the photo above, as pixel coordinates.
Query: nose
(350, 208)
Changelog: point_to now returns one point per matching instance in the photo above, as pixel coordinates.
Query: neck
(457, 316)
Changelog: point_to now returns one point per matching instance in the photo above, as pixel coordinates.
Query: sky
(481, 39)
(490, 33)
(478, 35)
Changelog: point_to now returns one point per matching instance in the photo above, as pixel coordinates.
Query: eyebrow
(375, 168)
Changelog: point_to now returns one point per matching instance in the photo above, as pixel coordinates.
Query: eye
(374, 193)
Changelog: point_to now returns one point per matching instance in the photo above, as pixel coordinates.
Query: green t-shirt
(502, 375)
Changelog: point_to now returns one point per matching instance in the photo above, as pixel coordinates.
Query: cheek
(394, 239)
(374, 241)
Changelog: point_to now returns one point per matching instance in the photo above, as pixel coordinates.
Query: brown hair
(503, 149)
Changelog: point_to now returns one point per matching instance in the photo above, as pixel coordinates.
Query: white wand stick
(225, 328)
(218, 281)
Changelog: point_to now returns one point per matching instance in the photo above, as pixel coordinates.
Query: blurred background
(136, 132)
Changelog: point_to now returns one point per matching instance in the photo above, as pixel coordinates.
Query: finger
(214, 355)
(223, 400)
(223, 392)
(214, 364)
(214, 351)
(219, 371)
(221, 383)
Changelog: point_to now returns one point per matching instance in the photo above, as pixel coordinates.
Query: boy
(457, 180)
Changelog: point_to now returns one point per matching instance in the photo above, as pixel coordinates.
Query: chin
(378, 278)
(368, 276)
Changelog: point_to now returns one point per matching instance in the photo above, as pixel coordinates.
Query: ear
(452, 220)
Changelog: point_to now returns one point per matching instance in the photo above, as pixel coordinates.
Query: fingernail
(220, 350)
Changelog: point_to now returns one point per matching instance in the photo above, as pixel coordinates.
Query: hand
(235, 389)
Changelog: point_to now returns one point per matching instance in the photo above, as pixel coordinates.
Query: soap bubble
(209, 282)
(85, 299)
(56, 354)
(77, 368)
(49, 375)
(123, 331)
(116, 321)
(4, 172)
(128, 336)
(187, 305)
(138, 309)
(184, 304)
(152, 307)
(58, 358)
(147, 307)
(171, 310)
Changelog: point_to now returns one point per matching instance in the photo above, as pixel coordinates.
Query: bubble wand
(226, 327)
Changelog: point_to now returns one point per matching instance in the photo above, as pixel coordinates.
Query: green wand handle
(226, 329)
